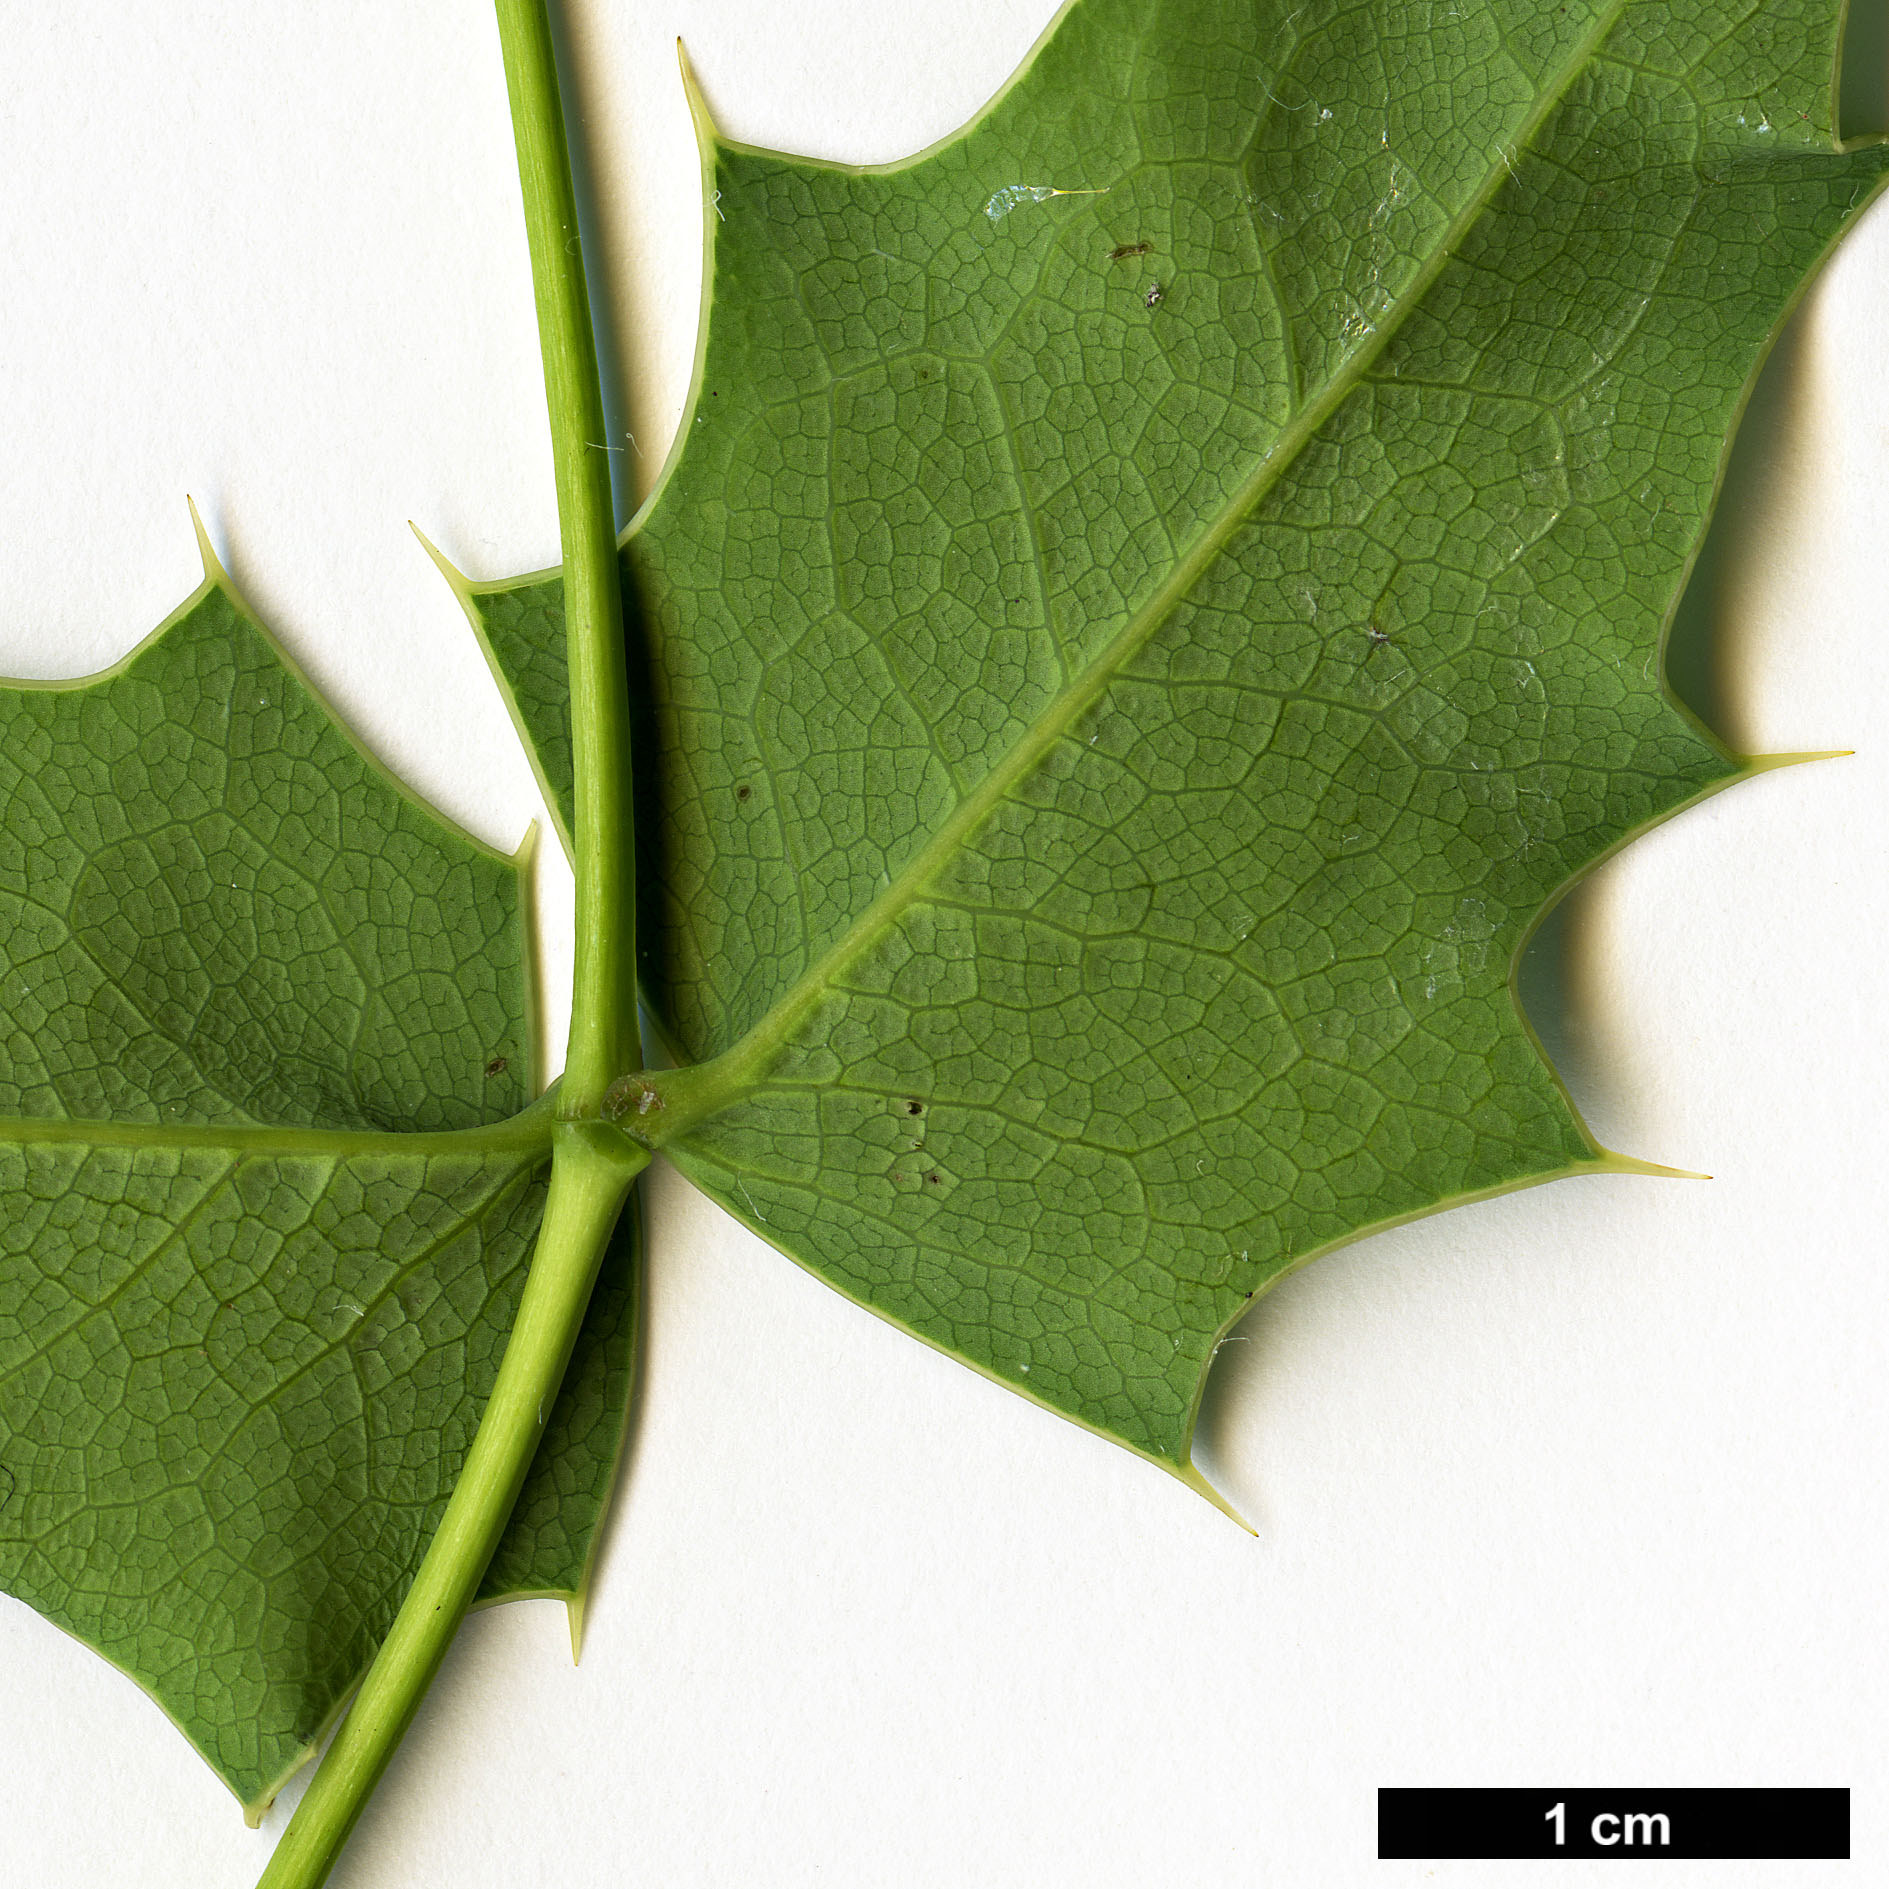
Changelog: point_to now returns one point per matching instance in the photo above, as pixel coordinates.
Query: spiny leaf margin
(221, 1150)
(859, 913)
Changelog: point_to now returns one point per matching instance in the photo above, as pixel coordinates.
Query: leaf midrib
(692, 1094)
(526, 1133)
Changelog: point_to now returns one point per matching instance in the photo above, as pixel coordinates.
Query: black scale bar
(1642, 1825)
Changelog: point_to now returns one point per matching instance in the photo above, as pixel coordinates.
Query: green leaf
(268, 1223)
(1154, 598)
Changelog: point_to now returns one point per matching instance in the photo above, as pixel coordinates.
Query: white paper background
(1581, 1486)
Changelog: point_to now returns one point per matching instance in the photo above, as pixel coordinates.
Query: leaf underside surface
(1120, 674)
(266, 1222)
(1126, 670)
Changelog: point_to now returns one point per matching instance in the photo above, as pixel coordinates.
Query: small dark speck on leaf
(1122, 251)
(1155, 296)
(914, 1107)
(1377, 636)
(933, 1179)
(744, 792)
(497, 1066)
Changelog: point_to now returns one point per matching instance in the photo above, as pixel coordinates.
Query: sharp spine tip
(707, 131)
(1192, 1477)
(461, 584)
(1613, 1162)
(213, 571)
(1769, 763)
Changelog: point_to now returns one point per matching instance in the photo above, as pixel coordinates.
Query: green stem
(603, 1040)
(592, 1167)
(591, 1172)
